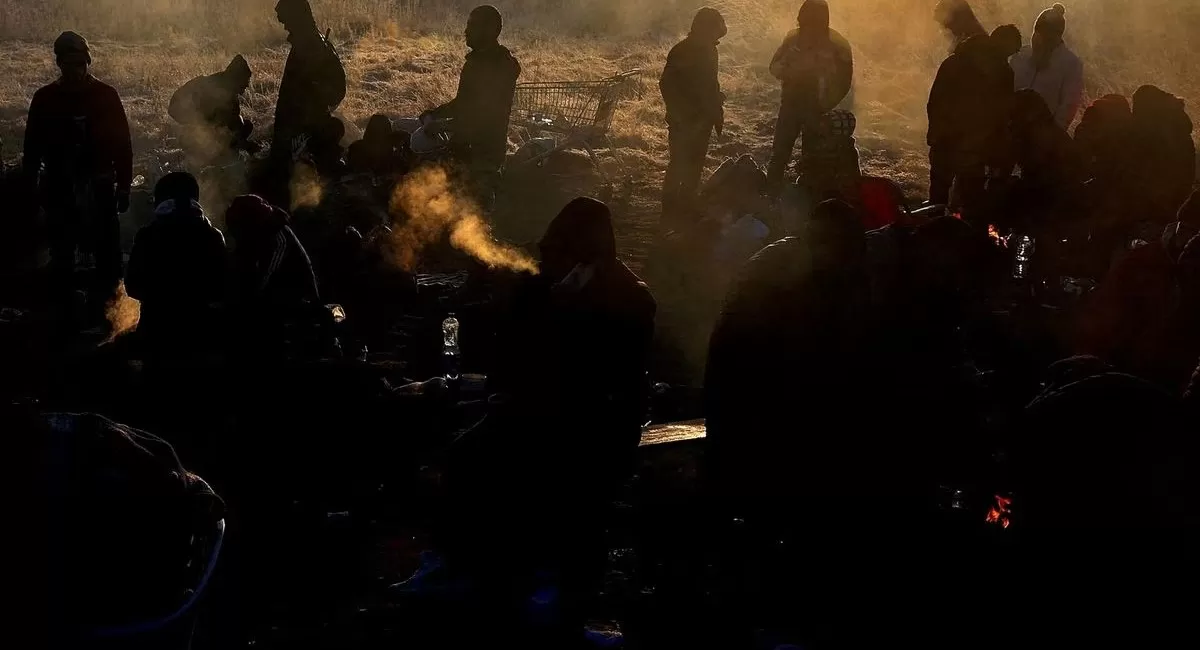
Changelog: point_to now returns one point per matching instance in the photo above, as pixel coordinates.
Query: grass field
(404, 55)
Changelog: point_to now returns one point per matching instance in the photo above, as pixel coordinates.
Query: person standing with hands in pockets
(816, 67)
(695, 108)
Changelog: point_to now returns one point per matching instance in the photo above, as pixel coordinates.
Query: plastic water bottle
(451, 356)
(1025, 247)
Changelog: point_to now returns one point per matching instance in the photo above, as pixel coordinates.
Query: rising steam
(433, 209)
(122, 313)
(305, 188)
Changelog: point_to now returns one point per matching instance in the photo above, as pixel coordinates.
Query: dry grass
(403, 55)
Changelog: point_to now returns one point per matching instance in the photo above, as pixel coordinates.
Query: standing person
(968, 114)
(959, 20)
(1163, 153)
(816, 67)
(480, 110)
(695, 108)
(313, 84)
(1051, 68)
(77, 142)
(212, 106)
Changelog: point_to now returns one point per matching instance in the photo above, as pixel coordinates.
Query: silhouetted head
(1049, 28)
(379, 129)
(180, 187)
(708, 25)
(1007, 40)
(581, 234)
(483, 26)
(835, 237)
(813, 18)
(238, 73)
(957, 18)
(251, 218)
(1029, 110)
(295, 15)
(73, 56)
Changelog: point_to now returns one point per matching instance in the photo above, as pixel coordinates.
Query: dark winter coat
(481, 107)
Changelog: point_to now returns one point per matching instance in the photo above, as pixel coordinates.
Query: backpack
(332, 79)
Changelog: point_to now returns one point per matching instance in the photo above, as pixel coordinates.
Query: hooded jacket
(970, 98)
(814, 62)
(689, 83)
(210, 101)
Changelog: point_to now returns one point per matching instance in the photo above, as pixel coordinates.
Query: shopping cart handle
(628, 74)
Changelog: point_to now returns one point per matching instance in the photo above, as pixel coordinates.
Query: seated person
(177, 269)
(480, 110)
(582, 370)
(380, 152)
(274, 283)
(211, 107)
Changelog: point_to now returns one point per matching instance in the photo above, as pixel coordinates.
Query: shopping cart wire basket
(580, 112)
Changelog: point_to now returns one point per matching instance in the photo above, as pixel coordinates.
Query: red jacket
(78, 132)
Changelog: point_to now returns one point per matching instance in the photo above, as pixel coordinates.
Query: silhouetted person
(79, 153)
(816, 67)
(379, 152)
(1163, 153)
(178, 270)
(968, 114)
(1104, 139)
(481, 108)
(695, 108)
(1051, 68)
(582, 367)
(1051, 170)
(212, 105)
(790, 337)
(273, 269)
(313, 84)
(959, 21)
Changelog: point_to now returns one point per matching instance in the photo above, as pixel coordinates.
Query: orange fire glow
(998, 514)
(995, 235)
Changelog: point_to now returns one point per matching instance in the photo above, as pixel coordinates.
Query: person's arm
(137, 275)
(466, 81)
(939, 107)
(35, 139)
(779, 62)
(1071, 96)
(117, 124)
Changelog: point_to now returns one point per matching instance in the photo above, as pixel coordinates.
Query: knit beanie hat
(71, 44)
(1052, 21)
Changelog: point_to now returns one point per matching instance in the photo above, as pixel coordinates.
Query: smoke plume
(122, 313)
(434, 209)
(305, 188)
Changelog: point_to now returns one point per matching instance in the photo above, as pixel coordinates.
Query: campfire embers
(999, 513)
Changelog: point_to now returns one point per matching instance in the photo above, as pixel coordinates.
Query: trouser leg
(787, 129)
(941, 174)
(62, 226)
(689, 150)
(102, 237)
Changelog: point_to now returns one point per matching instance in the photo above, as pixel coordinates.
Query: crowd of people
(868, 367)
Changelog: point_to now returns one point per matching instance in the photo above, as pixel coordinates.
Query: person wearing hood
(968, 114)
(816, 67)
(1049, 67)
(789, 343)
(211, 104)
(79, 158)
(695, 108)
(273, 273)
(478, 115)
(566, 419)
(312, 87)
(1163, 153)
(959, 21)
(177, 268)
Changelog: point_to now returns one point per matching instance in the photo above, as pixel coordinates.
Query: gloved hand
(123, 200)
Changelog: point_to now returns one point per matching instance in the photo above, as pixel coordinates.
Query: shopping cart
(578, 112)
